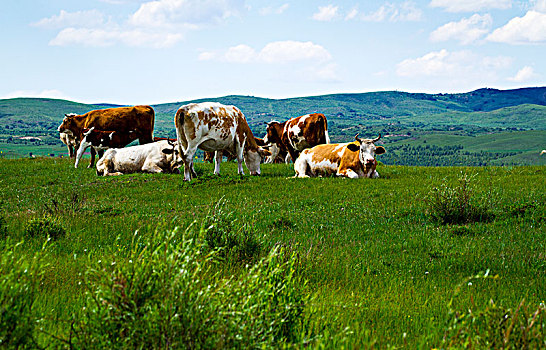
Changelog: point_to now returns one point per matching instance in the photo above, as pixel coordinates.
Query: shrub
(457, 205)
(3, 228)
(20, 279)
(496, 327)
(44, 227)
(236, 242)
(164, 294)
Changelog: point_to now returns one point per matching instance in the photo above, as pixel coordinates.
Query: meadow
(360, 264)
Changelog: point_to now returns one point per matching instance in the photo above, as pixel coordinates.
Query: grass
(379, 269)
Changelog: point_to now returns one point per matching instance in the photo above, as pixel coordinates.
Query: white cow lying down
(155, 157)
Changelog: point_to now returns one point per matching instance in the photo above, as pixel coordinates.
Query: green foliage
(3, 228)
(163, 294)
(44, 227)
(495, 326)
(458, 204)
(20, 281)
(236, 242)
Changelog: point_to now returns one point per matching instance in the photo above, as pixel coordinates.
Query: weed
(58, 205)
(496, 327)
(236, 242)
(3, 228)
(163, 295)
(45, 227)
(457, 205)
(20, 279)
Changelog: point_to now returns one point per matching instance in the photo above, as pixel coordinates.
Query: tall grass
(379, 270)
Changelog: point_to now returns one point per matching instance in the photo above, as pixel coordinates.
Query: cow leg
(92, 162)
(217, 160)
(71, 151)
(293, 154)
(239, 150)
(150, 167)
(79, 154)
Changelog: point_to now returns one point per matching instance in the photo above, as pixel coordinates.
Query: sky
(149, 52)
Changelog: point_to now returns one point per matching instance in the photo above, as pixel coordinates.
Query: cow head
(367, 150)
(253, 158)
(273, 132)
(174, 158)
(68, 125)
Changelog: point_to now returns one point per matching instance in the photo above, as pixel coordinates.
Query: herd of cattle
(219, 130)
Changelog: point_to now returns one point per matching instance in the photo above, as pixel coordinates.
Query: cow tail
(153, 124)
(179, 125)
(326, 136)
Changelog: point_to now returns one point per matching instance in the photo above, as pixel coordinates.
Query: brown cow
(355, 159)
(139, 119)
(297, 134)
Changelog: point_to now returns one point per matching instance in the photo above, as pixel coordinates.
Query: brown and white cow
(70, 142)
(139, 119)
(355, 159)
(212, 126)
(101, 140)
(155, 157)
(297, 134)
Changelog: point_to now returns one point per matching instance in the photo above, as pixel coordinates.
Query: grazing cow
(122, 119)
(155, 157)
(212, 126)
(355, 159)
(101, 140)
(70, 141)
(297, 134)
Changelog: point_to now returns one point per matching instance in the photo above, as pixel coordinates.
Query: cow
(121, 119)
(355, 159)
(297, 134)
(212, 126)
(277, 156)
(155, 157)
(70, 141)
(101, 140)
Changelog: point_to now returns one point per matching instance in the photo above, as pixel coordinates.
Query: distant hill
(399, 116)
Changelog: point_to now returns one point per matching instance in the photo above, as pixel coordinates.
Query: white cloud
(528, 29)
(455, 68)
(307, 60)
(467, 30)
(273, 10)
(406, 11)
(290, 51)
(539, 5)
(326, 13)
(104, 38)
(471, 5)
(40, 94)
(157, 24)
(165, 13)
(85, 19)
(523, 75)
(273, 53)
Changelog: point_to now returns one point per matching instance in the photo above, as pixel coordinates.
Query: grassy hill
(399, 115)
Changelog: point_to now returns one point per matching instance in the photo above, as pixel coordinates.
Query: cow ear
(353, 147)
(380, 150)
(167, 150)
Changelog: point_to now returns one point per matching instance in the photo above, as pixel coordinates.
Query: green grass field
(379, 270)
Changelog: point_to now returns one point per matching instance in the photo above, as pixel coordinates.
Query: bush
(457, 205)
(496, 327)
(20, 280)
(165, 295)
(3, 228)
(235, 242)
(44, 227)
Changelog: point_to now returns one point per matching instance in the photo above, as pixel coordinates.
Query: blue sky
(146, 52)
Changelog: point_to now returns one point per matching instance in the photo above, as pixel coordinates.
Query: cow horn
(358, 139)
(377, 139)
